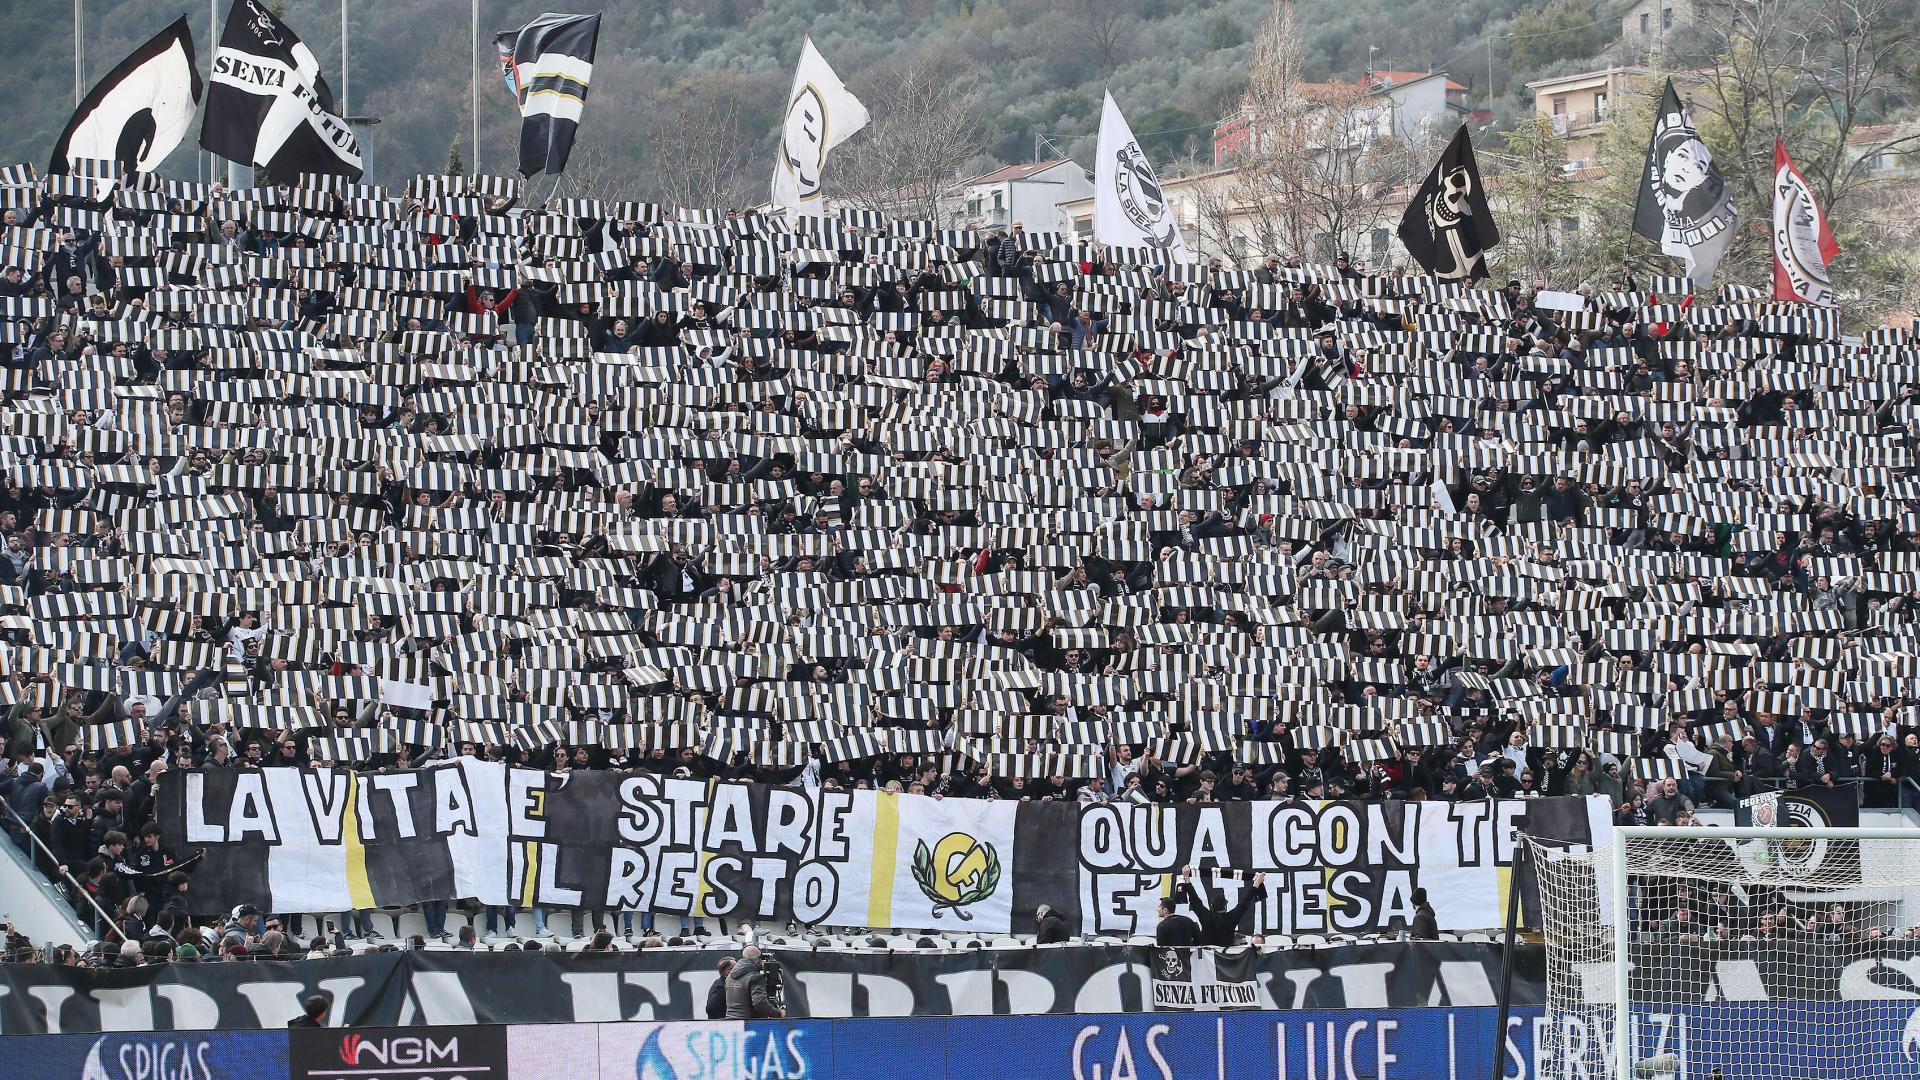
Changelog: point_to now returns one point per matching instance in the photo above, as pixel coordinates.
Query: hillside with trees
(686, 87)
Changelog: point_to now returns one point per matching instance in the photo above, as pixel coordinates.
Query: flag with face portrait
(140, 111)
(821, 114)
(1129, 208)
(1803, 243)
(1684, 203)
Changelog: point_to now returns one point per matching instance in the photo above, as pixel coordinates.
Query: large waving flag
(1803, 245)
(140, 111)
(821, 114)
(552, 68)
(269, 104)
(1129, 209)
(1447, 228)
(1684, 202)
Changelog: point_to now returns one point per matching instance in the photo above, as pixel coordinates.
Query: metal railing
(72, 882)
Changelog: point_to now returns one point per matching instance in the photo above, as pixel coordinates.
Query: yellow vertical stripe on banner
(1503, 887)
(886, 843)
(529, 874)
(1166, 884)
(700, 889)
(359, 889)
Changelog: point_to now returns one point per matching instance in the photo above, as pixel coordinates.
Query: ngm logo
(399, 1050)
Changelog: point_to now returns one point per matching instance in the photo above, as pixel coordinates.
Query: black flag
(1684, 204)
(269, 105)
(140, 111)
(1447, 228)
(552, 67)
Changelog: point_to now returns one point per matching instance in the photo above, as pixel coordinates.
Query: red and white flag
(1802, 243)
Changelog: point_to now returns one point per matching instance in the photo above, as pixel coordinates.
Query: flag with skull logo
(1447, 227)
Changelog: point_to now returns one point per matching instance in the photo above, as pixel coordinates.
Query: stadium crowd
(333, 475)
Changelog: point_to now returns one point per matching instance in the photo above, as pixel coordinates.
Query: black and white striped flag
(269, 104)
(553, 64)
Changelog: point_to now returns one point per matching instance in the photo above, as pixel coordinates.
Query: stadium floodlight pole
(473, 81)
(345, 76)
(79, 48)
(1623, 1041)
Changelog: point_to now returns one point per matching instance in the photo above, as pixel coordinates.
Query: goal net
(1747, 954)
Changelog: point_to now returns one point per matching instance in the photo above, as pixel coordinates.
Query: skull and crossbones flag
(1684, 204)
(1447, 227)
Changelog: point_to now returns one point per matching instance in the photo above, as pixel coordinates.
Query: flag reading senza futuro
(1447, 228)
(552, 69)
(1684, 203)
(269, 104)
(821, 114)
(140, 111)
(325, 840)
(1129, 207)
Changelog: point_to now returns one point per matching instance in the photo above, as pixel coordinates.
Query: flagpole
(79, 48)
(473, 80)
(346, 78)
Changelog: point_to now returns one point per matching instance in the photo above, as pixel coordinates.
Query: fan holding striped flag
(552, 67)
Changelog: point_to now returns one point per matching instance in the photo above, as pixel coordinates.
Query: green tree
(1562, 30)
(1533, 199)
(1223, 31)
(1167, 132)
(456, 166)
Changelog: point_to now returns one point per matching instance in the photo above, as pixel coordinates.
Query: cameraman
(746, 992)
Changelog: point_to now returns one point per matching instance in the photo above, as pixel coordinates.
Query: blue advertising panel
(171, 1055)
(1394, 1044)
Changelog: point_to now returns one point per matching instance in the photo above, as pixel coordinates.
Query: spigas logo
(956, 872)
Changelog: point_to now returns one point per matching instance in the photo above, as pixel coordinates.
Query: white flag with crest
(821, 114)
(1129, 209)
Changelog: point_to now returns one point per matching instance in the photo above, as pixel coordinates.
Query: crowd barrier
(454, 987)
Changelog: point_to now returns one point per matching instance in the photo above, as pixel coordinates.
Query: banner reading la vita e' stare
(324, 840)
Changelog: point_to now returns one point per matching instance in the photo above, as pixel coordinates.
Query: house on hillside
(1579, 106)
(1650, 28)
(1413, 106)
(1031, 194)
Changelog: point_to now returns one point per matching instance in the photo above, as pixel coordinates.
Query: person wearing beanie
(1425, 925)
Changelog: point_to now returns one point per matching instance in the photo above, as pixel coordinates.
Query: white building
(1031, 194)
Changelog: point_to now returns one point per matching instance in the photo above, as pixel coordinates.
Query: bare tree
(1810, 73)
(700, 150)
(1532, 197)
(1322, 165)
(1105, 27)
(1817, 75)
(925, 128)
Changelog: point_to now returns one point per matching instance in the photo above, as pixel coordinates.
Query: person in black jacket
(1425, 925)
(717, 993)
(1217, 925)
(313, 1015)
(1174, 929)
(1053, 927)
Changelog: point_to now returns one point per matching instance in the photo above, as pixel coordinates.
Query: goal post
(1731, 954)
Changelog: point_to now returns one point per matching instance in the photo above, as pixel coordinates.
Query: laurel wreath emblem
(923, 876)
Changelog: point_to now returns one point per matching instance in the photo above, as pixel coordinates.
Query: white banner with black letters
(332, 840)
